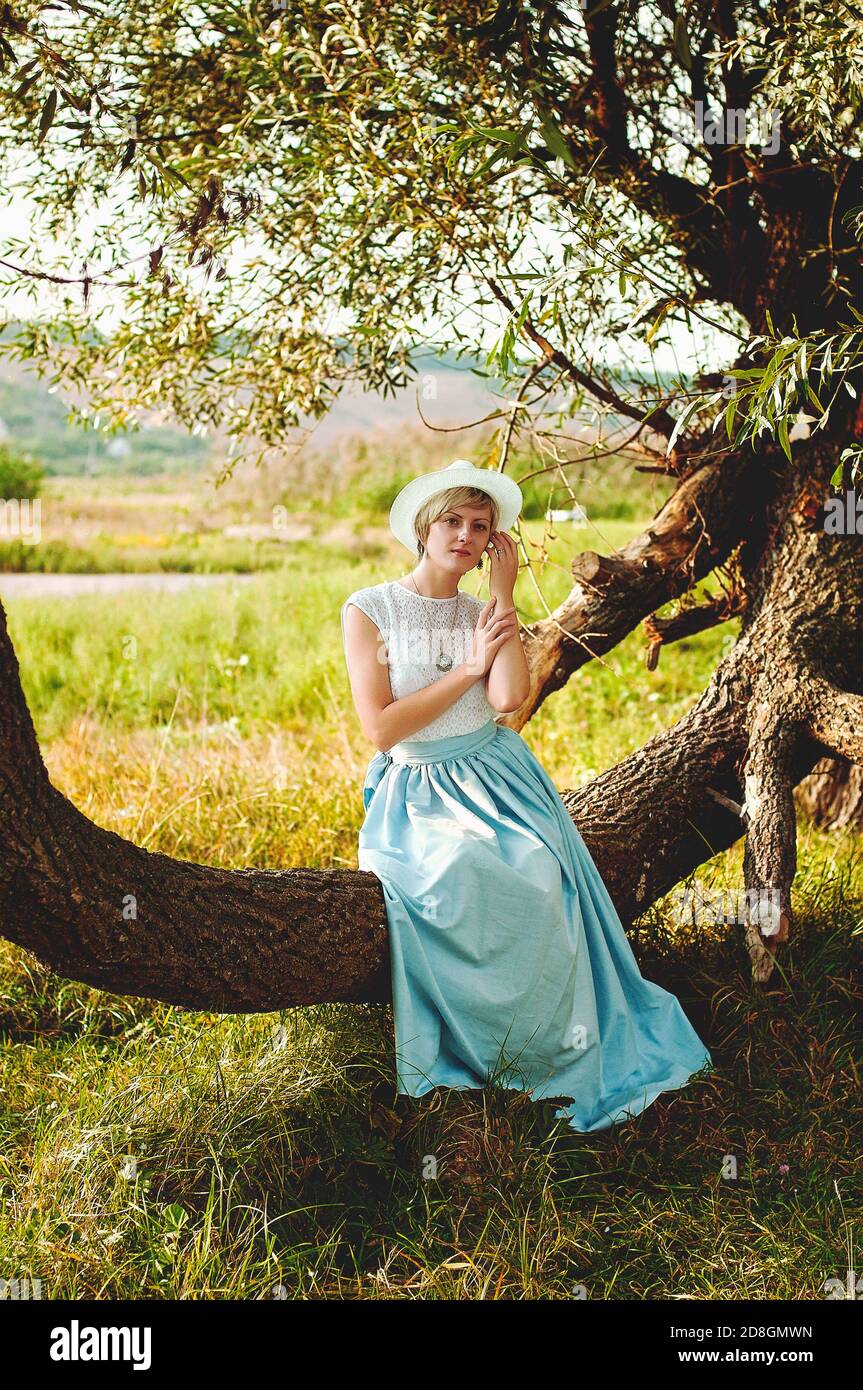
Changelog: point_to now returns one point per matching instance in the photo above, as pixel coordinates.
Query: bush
(20, 477)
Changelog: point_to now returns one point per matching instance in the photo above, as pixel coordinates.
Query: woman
(509, 961)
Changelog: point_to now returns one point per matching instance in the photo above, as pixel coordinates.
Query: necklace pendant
(443, 662)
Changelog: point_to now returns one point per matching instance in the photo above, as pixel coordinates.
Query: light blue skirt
(509, 962)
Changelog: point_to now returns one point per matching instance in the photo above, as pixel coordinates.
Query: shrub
(20, 476)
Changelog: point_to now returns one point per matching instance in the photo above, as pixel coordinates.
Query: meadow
(147, 1151)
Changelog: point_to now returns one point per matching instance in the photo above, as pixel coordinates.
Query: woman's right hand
(491, 631)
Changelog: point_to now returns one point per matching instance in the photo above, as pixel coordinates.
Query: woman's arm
(507, 684)
(386, 721)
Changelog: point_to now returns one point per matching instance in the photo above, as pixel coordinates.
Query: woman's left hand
(504, 566)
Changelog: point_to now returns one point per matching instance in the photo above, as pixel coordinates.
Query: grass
(147, 1151)
(153, 1153)
(142, 554)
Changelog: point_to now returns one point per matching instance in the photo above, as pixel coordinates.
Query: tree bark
(833, 794)
(785, 697)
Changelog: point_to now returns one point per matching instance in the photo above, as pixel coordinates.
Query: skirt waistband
(418, 751)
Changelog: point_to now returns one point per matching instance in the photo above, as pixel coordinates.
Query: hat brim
(506, 493)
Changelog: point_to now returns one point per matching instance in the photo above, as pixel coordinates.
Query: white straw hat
(461, 473)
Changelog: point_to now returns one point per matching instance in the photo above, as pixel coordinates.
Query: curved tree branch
(836, 719)
(716, 507)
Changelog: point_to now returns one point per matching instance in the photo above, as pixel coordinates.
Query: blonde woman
(509, 962)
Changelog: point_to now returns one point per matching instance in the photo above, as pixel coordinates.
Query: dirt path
(71, 585)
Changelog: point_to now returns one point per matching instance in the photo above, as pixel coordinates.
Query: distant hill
(33, 420)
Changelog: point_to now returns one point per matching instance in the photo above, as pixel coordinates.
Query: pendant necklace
(444, 662)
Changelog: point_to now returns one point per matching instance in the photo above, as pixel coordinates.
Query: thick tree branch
(836, 719)
(708, 514)
(662, 631)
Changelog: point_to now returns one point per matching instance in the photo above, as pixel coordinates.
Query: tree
(585, 172)
(21, 478)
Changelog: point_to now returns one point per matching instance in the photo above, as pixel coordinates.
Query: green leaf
(492, 160)
(522, 313)
(658, 320)
(827, 361)
(730, 413)
(166, 170)
(554, 140)
(498, 133)
(681, 423)
(783, 438)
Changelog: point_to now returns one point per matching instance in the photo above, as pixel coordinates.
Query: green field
(146, 1151)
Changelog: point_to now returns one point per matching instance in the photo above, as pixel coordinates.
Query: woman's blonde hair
(444, 502)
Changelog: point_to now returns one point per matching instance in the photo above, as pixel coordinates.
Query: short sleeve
(365, 600)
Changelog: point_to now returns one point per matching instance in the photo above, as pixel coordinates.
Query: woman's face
(459, 537)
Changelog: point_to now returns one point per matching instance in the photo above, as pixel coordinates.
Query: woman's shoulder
(369, 590)
(371, 599)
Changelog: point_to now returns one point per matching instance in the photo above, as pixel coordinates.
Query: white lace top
(415, 630)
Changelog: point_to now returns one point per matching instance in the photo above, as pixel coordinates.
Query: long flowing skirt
(509, 961)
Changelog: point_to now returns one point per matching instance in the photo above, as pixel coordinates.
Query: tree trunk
(787, 695)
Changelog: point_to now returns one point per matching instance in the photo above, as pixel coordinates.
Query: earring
(479, 563)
